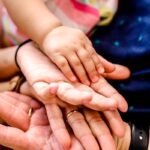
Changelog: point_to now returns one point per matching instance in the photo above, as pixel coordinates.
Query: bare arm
(7, 64)
(32, 17)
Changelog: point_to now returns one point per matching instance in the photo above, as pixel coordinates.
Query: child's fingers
(64, 66)
(108, 66)
(94, 56)
(96, 60)
(88, 64)
(78, 68)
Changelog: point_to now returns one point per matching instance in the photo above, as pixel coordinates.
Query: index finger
(57, 125)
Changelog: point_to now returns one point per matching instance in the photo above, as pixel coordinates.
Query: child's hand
(73, 53)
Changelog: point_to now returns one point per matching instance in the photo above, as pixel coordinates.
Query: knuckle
(102, 84)
(92, 53)
(77, 118)
(86, 56)
(62, 62)
(95, 119)
(77, 63)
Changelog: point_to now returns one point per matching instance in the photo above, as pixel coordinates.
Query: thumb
(44, 91)
(119, 73)
(14, 138)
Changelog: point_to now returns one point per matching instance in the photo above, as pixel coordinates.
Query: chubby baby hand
(73, 53)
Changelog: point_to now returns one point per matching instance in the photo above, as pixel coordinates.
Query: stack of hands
(68, 114)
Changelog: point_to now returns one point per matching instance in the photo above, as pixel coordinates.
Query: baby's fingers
(64, 66)
(77, 64)
(88, 64)
(95, 57)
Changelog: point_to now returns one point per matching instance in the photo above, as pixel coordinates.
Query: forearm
(7, 63)
(32, 17)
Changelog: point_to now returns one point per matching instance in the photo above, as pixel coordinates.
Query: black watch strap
(139, 137)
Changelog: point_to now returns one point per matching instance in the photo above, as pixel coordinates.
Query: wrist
(46, 36)
(19, 49)
(47, 30)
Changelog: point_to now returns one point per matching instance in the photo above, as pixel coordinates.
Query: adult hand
(40, 72)
(114, 120)
(80, 124)
(14, 109)
(38, 136)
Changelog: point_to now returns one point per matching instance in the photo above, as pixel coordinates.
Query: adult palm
(38, 136)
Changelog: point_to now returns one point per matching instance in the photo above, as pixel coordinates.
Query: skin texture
(38, 129)
(74, 55)
(8, 67)
(58, 125)
(54, 75)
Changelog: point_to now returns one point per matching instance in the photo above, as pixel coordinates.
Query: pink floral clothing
(82, 14)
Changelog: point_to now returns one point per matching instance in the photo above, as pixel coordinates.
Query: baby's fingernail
(101, 70)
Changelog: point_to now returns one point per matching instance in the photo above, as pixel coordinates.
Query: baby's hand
(73, 53)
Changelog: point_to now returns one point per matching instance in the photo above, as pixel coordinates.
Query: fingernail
(101, 70)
